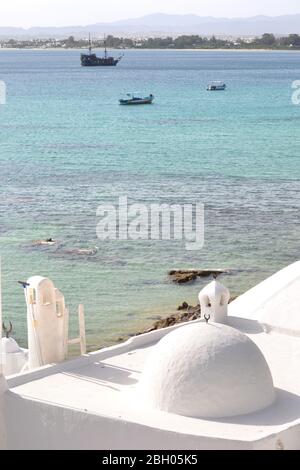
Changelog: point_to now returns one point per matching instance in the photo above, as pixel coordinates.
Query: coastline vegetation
(266, 41)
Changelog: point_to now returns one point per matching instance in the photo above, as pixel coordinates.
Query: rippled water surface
(67, 146)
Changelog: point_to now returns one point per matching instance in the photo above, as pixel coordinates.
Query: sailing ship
(91, 60)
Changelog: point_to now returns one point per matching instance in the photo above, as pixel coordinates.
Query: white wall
(3, 388)
(53, 427)
(3, 385)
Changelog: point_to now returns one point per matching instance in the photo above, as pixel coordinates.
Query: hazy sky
(80, 12)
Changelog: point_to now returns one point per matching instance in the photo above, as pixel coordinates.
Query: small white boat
(216, 86)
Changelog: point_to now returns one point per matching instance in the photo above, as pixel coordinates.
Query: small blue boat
(133, 99)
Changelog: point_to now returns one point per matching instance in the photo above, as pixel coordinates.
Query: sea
(67, 147)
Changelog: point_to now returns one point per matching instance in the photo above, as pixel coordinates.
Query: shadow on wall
(246, 326)
(105, 375)
(284, 410)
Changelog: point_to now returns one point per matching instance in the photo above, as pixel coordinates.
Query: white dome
(207, 371)
(9, 345)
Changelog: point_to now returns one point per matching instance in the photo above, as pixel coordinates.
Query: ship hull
(84, 64)
(135, 102)
(91, 60)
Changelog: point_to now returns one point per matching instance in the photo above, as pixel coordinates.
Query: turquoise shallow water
(67, 146)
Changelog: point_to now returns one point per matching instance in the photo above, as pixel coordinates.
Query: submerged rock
(46, 242)
(82, 251)
(189, 275)
(67, 251)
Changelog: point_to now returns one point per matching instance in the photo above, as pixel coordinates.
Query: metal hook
(207, 317)
(7, 331)
(24, 284)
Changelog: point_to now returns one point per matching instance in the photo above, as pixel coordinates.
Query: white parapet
(274, 303)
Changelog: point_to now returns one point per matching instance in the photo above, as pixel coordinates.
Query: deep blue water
(67, 146)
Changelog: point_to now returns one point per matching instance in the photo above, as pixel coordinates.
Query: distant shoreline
(147, 49)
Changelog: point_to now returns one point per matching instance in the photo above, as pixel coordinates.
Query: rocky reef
(189, 275)
(185, 313)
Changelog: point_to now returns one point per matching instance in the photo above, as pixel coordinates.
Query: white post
(3, 384)
(82, 329)
(66, 330)
(81, 339)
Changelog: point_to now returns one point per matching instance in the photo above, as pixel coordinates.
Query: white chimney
(214, 299)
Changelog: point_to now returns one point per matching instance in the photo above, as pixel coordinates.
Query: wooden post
(82, 339)
(66, 331)
(82, 329)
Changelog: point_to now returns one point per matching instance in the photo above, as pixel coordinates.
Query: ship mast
(105, 50)
(90, 44)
